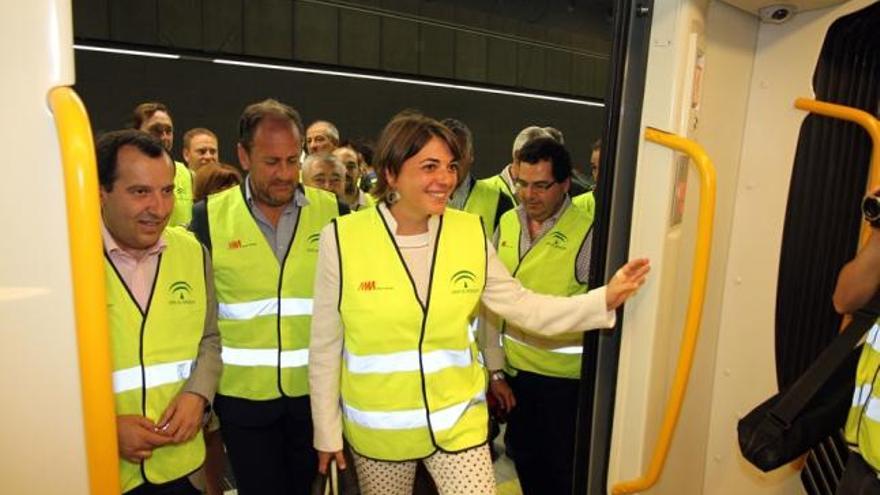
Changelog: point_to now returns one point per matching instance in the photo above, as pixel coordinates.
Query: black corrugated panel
(822, 219)
(828, 180)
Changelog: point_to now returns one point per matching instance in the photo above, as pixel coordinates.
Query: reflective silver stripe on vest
(873, 339)
(861, 394)
(156, 375)
(873, 409)
(574, 349)
(290, 306)
(406, 361)
(264, 357)
(412, 418)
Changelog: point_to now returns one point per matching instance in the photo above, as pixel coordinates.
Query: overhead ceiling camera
(777, 13)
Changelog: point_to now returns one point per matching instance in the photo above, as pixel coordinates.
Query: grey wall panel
(134, 21)
(600, 78)
(502, 60)
(471, 17)
(581, 75)
(400, 43)
(91, 19)
(315, 33)
(531, 67)
(437, 52)
(268, 28)
(201, 93)
(440, 11)
(223, 26)
(471, 52)
(359, 40)
(401, 6)
(557, 73)
(180, 23)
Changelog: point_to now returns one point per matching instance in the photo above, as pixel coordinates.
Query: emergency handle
(694, 310)
(89, 291)
(871, 126)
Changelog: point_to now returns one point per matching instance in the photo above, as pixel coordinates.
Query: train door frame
(611, 235)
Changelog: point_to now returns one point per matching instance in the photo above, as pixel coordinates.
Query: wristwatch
(497, 375)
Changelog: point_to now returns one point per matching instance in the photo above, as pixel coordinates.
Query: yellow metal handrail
(694, 310)
(89, 292)
(871, 126)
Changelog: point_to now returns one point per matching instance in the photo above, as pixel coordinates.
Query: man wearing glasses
(545, 243)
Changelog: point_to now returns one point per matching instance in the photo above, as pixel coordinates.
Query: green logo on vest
(313, 242)
(181, 293)
(464, 281)
(558, 239)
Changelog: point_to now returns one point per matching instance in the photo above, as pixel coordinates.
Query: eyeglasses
(542, 186)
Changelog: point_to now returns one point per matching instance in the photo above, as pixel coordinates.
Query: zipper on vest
(424, 309)
(145, 312)
(283, 263)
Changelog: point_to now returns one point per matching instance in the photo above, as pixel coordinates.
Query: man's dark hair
(547, 149)
(145, 111)
(107, 149)
(597, 145)
(364, 146)
(254, 113)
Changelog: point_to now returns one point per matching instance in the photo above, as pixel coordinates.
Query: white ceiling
(801, 5)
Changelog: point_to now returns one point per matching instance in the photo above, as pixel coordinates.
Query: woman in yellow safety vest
(396, 288)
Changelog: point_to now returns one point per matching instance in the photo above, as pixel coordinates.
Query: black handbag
(793, 421)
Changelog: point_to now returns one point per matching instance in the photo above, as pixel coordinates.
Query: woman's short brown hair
(403, 137)
(214, 177)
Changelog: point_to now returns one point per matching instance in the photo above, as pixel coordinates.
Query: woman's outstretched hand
(626, 282)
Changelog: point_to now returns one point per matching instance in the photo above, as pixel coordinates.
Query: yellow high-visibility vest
(499, 183)
(549, 267)
(153, 353)
(411, 380)
(483, 201)
(586, 201)
(265, 307)
(181, 215)
(863, 422)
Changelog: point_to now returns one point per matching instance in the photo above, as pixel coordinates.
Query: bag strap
(793, 401)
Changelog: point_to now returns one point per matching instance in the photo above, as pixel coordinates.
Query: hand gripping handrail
(89, 292)
(871, 126)
(694, 309)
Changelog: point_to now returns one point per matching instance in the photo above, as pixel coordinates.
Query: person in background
(545, 242)
(154, 118)
(858, 282)
(263, 237)
(321, 137)
(199, 148)
(503, 181)
(353, 162)
(471, 195)
(416, 390)
(324, 171)
(587, 200)
(213, 178)
(162, 315)
(365, 149)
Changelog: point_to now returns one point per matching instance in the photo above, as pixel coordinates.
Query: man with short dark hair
(504, 180)
(263, 237)
(587, 200)
(154, 118)
(354, 165)
(471, 195)
(199, 148)
(545, 243)
(162, 316)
